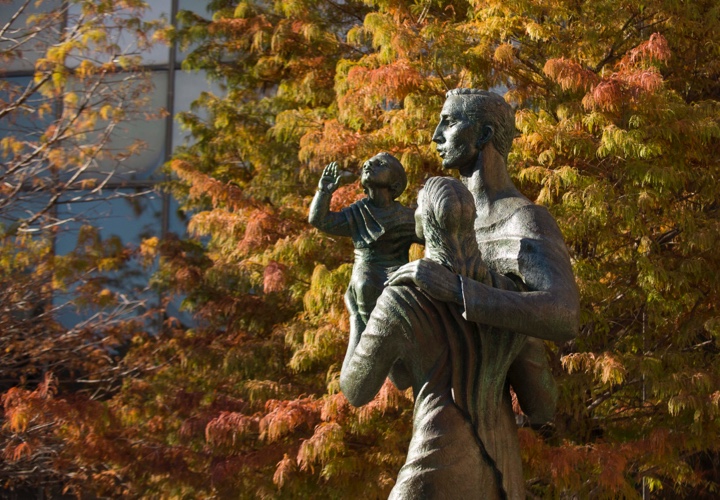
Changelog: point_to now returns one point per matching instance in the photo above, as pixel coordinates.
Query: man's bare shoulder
(535, 222)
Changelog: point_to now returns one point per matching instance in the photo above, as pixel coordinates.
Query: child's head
(384, 170)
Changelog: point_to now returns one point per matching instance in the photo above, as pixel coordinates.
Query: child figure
(381, 228)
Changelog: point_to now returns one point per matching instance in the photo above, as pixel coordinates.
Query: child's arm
(320, 215)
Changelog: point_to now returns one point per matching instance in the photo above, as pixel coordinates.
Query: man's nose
(437, 135)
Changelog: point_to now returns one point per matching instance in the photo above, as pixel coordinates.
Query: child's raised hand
(330, 179)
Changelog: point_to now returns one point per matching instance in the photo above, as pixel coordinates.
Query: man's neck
(489, 182)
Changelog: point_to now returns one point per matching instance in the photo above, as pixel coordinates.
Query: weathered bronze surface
(467, 321)
(382, 230)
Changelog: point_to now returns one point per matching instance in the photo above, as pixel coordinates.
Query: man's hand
(431, 277)
(330, 179)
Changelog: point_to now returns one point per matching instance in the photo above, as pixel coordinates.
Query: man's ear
(486, 135)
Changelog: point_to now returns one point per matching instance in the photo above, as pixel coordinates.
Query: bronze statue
(465, 322)
(517, 239)
(381, 228)
(464, 442)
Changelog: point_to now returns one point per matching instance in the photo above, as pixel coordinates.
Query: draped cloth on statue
(365, 227)
(368, 224)
(464, 441)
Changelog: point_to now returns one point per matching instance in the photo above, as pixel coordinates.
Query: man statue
(517, 238)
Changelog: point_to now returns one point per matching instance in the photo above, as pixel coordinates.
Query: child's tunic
(382, 239)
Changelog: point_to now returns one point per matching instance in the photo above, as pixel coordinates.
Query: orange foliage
(381, 86)
(232, 307)
(286, 466)
(346, 196)
(613, 462)
(228, 427)
(394, 80)
(649, 80)
(605, 95)
(515, 403)
(284, 417)
(18, 403)
(22, 450)
(333, 142)
(566, 465)
(274, 277)
(263, 229)
(387, 398)
(570, 74)
(193, 427)
(336, 407)
(633, 79)
(203, 186)
(227, 471)
(654, 49)
(238, 27)
(504, 55)
(621, 88)
(325, 442)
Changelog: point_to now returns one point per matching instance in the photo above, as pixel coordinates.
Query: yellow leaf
(149, 247)
(505, 53)
(242, 10)
(18, 421)
(105, 111)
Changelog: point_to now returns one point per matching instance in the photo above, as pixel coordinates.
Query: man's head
(384, 170)
(471, 119)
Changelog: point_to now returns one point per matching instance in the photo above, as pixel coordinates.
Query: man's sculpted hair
(488, 108)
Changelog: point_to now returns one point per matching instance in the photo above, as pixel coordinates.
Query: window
(117, 195)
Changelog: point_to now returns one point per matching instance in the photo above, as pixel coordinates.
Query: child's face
(376, 172)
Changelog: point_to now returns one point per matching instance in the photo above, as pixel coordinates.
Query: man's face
(456, 138)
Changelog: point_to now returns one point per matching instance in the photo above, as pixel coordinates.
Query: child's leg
(367, 293)
(357, 324)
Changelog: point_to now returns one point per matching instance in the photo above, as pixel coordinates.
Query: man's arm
(320, 216)
(549, 310)
(550, 314)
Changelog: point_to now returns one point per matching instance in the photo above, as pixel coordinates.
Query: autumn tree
(617, 109)
(69, 86)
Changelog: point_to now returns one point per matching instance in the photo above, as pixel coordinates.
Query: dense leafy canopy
(67, 90)
(619, 118)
